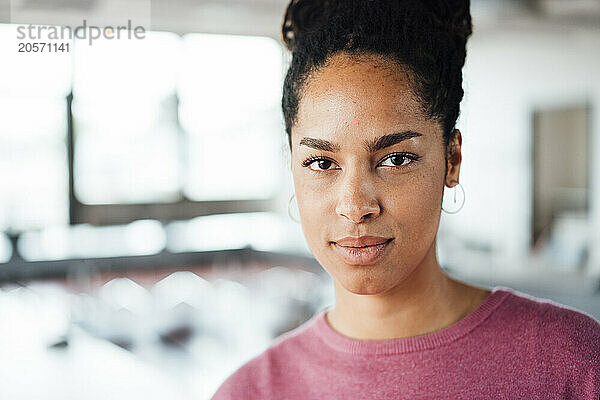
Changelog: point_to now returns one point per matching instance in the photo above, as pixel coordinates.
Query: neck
(428, 300)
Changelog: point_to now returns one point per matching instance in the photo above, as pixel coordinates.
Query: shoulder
(562, 329)
(246, 381)
(560, 344)
(576, 331)
(258, 378)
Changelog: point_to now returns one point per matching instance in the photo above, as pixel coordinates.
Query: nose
(357, 201)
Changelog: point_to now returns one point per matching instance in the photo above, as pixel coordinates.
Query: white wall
(510, 71)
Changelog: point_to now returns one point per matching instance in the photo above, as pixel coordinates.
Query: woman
(370, 103)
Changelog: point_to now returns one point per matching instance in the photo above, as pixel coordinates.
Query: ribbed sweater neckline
(345, 344)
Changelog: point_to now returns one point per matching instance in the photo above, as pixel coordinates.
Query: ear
(453, 159)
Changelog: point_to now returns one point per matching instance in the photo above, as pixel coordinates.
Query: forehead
(365, 97)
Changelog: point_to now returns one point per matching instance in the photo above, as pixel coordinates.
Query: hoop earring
(457, 203)
(288, 209)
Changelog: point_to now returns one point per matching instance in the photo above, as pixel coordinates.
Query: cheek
(413, 207)
(312, 205)
(316, 212)
(417, 197)
(311, 192)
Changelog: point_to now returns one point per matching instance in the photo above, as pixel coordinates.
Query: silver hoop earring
(289, 212)
(457, 202)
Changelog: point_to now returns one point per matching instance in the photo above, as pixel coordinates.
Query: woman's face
(358, 184)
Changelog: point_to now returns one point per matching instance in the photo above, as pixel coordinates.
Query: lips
(361, 241)
(364, 250)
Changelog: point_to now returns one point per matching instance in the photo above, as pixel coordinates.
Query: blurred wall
(511, 70)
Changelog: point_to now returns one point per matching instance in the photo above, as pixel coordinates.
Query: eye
(400, 159)
(322, 163)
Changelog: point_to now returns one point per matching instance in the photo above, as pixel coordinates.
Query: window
(164, 127)
(230, 90)
(33, 155)
(127, 140)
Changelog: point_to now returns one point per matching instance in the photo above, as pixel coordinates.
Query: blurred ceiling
(259, 17)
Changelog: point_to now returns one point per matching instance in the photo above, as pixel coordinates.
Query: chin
(366, 285)
(361, 280)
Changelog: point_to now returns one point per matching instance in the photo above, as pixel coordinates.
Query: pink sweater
(513, 346)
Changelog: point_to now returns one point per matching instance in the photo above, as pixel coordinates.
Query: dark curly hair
(425, 38)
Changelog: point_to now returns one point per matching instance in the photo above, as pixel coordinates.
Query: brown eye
(399, 160)
(322, 164)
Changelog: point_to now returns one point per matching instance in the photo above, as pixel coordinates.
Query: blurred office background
(145, 245)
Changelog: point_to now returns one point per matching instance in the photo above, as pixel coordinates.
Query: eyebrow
(371, 145)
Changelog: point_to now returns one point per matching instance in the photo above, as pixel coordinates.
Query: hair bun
(302, 16)
(305, 16)
(452, 16)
